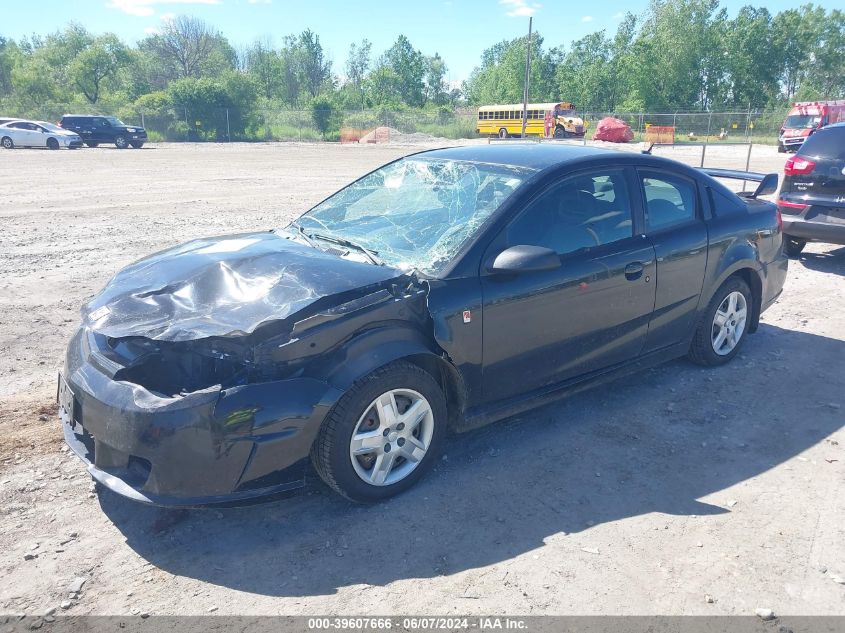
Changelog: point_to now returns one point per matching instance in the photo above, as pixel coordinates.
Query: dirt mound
(385, 134)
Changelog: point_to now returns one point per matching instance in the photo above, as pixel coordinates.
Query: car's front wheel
(137, 144)
(383, 434)
(52, 144)
(724, 324)
(120, 142)
(792, 246)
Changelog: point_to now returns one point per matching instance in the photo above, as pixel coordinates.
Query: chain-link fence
(203, 123)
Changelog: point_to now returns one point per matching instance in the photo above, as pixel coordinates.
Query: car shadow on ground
(831, 261)
(652, 443)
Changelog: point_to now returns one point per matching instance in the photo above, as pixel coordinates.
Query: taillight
(780, 220)
(59, 123)
(798, 166)
(792, 205)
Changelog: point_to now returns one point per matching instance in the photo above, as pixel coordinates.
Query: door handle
(634, 271)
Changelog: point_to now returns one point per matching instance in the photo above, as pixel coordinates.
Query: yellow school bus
(506, 120)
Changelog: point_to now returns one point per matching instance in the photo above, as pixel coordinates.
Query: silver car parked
(22, 133)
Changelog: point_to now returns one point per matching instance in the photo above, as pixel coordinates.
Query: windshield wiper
(342, 241)
(305, 236)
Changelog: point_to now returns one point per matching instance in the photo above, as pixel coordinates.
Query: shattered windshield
(416, 212)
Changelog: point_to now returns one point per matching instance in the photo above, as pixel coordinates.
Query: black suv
(812, 198)
(95, 129)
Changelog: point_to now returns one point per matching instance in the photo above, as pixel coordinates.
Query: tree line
(680, 55)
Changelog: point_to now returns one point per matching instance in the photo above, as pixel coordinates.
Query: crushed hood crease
(223, 286)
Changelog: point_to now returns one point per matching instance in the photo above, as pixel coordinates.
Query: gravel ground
(677, 491)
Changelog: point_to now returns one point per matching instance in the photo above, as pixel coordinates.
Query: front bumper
(792, 143)
(211, 446)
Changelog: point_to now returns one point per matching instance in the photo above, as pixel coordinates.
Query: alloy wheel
(392, 437)
(729, 323)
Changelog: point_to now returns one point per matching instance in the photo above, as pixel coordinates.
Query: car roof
(537, 156)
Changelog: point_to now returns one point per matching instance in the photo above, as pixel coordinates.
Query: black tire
(561, 132)
(7, 143)
(781, 149)
(52, 144)
(503, 133)
(120, 142)
(137, 144)
(793, 246)
(701, 349)
(330, 451)
(92, 144)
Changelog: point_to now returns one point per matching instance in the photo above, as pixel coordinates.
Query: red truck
(806, 117)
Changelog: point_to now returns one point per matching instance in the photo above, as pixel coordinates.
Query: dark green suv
(96, 129)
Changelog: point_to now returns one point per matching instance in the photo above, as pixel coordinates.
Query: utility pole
(527, 78)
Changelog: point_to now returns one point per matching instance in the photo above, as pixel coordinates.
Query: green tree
(436, 88)
(407, 64)
(324, 114)
(265, 66)
(188, 47)
(501, 75)
(357, 66)
(97, 63)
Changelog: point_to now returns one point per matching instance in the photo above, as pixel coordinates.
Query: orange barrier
(660, 134)
(352, 134)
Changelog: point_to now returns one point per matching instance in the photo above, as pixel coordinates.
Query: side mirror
(524, 258)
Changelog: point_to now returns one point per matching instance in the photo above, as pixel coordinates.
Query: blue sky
(458, 29)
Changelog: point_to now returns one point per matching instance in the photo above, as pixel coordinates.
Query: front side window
(415, 213)
(669, 201)
(580, 212)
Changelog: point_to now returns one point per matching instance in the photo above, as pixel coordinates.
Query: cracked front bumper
(211, 446)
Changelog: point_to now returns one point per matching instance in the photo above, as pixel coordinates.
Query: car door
(40, 135)
(101, 130)
(592, 312)
(82, 126)
(675, 225)
(24, 135)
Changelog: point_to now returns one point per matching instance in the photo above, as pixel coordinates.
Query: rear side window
(829, 143)
(669, 201)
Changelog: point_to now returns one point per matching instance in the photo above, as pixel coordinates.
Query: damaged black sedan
(442, 291)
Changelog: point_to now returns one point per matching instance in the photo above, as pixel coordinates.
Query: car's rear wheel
(52, 143)
(724, 324)
(120, 142)
(7, 143)
(137, 145)
(92, 144)
(383, 434)
(793, 246)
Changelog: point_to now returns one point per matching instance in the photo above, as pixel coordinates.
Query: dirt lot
(670, 487)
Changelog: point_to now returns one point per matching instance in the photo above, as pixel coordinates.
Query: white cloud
(520, 8)
(167, 17)
(618, 16)
(151, 30)
(145, 8)
(587, 18)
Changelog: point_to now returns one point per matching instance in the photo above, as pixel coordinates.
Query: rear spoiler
(768, 182)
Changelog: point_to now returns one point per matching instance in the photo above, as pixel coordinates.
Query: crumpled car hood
(222, 286)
